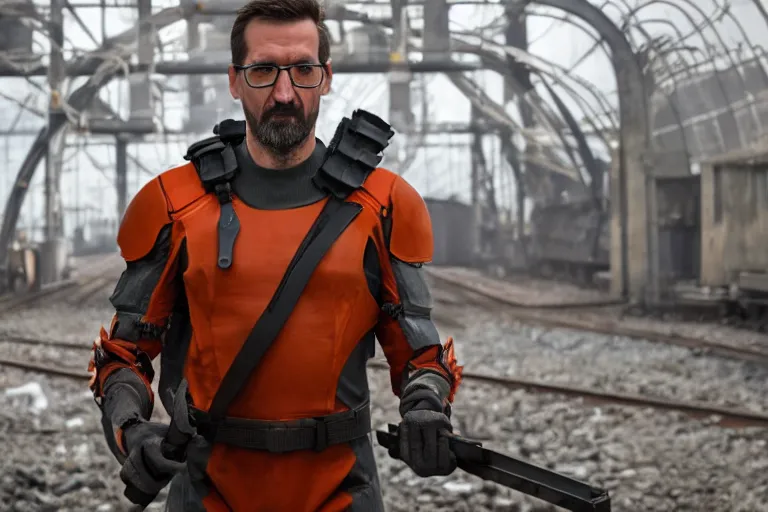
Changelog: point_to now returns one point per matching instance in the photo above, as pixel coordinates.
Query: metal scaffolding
(682, 91)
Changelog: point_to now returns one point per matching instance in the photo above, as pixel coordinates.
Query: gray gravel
(650, 461)
(494, 342)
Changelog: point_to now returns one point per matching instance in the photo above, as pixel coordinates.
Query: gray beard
(280, 138)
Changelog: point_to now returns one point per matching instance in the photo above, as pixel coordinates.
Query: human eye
(305, 69)
(262, 70)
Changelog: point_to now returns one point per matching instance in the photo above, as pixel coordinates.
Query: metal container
(455, 232)
(734, 217)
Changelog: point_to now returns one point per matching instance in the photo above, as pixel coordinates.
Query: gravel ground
(499, 346)
(56, 458)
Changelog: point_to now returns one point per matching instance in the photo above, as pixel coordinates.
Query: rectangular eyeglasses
(305, 76)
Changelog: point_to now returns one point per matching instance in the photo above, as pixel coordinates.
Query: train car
(734, 231)
(97, 236)
(569, 241)
(455, 232)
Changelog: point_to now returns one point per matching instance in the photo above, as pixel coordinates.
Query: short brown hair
(278, 10)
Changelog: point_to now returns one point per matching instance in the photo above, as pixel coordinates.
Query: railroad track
(556, 315)
(724, 416)
(74, 290)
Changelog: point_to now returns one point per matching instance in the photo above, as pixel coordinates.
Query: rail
(726, 417)
(556, 315)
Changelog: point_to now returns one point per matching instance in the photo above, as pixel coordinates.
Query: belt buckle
(321, 435)
(276, 441)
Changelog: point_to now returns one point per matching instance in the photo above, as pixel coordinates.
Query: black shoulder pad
(214, 157)
(230, 130)
(201, 147)
(354, 152)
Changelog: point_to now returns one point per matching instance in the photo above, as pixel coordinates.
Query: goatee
(281, 129)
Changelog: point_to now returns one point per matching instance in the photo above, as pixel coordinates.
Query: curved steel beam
(79, 100)
(707, 47)
(539, 67)
(634, 146)
(545, 66)
(721, 11)
(537, 104)
(558, 76)
(634, 132)
(670, 103)
(585, 152)
(493, 110)
(499, 64)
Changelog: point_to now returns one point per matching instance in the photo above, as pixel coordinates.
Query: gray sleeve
(413, 313)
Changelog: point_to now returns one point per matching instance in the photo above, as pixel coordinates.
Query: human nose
(283, 89)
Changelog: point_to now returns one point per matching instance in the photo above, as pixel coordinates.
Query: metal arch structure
(651, 261)
(709, 23)
(709, 107)
(707, 82)
(78, 101)
(497, 58)
(632, 193)
(120, 48)
(631, 189)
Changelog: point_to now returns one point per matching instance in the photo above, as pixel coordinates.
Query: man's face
(280, 117)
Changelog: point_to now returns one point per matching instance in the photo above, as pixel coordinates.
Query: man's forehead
(282, 42)
(282, 57)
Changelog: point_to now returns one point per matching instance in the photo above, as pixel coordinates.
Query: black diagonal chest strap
(334, 219)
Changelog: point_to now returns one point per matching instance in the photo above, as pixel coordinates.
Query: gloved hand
(422, 446)
(146, 470)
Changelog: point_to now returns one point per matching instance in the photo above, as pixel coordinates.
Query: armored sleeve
(410, 341)
(121, 364)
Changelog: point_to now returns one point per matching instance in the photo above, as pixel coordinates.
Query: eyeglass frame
(287, 68)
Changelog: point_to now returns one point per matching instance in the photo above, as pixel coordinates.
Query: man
(221, 244)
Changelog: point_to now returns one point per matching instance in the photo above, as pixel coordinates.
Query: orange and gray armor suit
(192, 293)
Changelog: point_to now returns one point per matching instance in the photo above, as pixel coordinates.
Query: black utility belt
(286, 436)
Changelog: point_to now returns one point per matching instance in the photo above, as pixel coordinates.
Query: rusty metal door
(679, 227)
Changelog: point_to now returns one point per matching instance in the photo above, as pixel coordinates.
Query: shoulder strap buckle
(354, 152)
(223, 192)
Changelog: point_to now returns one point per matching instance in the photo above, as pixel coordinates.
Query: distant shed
(455, 232)
(734, 216)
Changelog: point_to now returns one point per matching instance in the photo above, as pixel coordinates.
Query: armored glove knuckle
(423, 444)
(146, 468)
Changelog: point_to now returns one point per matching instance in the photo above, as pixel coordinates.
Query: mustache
(283, 109)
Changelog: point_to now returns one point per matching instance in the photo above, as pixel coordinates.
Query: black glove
(423, 445)
(146, 470)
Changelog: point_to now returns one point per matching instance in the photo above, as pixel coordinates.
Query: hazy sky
(438, 171)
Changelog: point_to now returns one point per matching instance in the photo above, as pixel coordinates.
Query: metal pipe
(707, 48)
(191, 67)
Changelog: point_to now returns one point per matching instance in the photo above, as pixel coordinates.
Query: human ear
(326, 86)
(234, 87)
